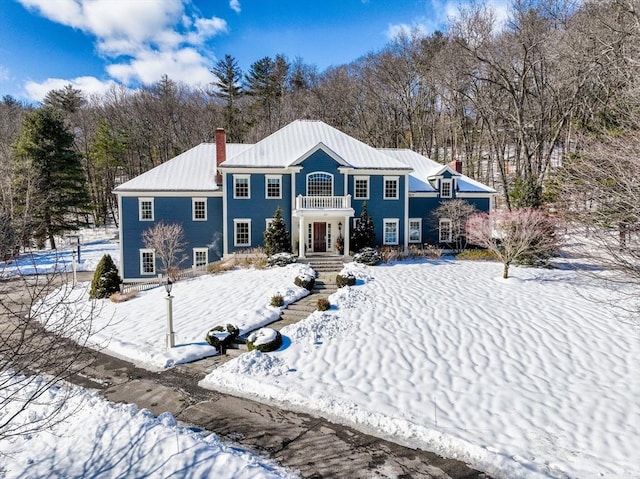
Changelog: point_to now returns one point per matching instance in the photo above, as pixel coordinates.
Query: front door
(319, 237)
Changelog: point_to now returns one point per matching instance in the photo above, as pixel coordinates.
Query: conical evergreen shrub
(363, 235)
(276, 236)
(106, 279)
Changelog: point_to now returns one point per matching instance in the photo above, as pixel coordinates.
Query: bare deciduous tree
(43, 342)
(168, 242)
(513, 235)
(458, 212)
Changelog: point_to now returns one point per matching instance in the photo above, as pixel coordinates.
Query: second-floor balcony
(323, 206)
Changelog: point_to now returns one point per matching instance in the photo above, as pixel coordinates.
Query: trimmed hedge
(106, 279)
(323, 304)
(264, 340)
(345, 280)
(305, 281)
(214, 340)
(277, 300)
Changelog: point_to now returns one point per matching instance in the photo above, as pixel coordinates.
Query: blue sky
(46, 44)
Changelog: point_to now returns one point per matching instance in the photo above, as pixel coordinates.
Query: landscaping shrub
(368, 256)
(281, 259)
(106, 279)
(276, 236)
(264, 340)
(477, 255)
(277, 300)
(122, 297)
(221, 266)
(214, 334)
(345, 280)
(323, 304)
(305, 281)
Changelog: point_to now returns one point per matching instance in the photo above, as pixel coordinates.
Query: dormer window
(446, 188)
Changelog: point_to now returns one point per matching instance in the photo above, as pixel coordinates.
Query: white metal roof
(424, 168)
(292, 143)
(193, 170)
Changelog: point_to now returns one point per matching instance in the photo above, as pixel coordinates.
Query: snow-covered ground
(522, 378)
(102, 439)
(94, 243)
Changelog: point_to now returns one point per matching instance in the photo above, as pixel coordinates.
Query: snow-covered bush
(222, 336)
(306, 281)
(264, 340)
(368, 256)
(346, 279)
(281, 259)
(323, 304)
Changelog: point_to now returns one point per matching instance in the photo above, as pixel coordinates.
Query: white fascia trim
(406, 212)
(225, 233)
(120, 234)
(475, 195)
(327, 150)
(167, 194)
(380, 172)
(249, 170)
(424, 194)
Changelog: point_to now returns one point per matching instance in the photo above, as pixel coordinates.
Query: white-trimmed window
(390, 231)
(444, 230)
(242, 232)
(200, 257)
(319, 184)
(360, 187)
(273, 186)
(415, 230)
(145, 209)
(446, 188)
(199, 209)
(147, 262)
(391, 187)
(241, 186)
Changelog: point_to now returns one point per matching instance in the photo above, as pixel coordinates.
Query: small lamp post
(74, 267)
(171, 336)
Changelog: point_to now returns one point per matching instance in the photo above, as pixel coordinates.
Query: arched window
(319, 184)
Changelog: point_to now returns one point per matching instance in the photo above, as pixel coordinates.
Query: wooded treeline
(511, 102)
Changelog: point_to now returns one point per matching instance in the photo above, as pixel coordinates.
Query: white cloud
(403, 29)
(36, 91)
(235, 5)
(140, 39)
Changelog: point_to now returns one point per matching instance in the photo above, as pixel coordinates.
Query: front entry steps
(325, 286)
(325, 263)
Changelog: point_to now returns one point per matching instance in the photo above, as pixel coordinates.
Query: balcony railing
(323, 202)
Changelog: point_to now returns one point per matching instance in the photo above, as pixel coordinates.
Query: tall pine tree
(45, 154)
(228, 88)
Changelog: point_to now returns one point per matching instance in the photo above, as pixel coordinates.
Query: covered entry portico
(321, 221)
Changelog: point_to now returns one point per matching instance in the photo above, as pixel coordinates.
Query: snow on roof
(425, 168)
(193, 170)
(294, 142)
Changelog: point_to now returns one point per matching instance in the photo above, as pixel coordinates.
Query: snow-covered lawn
(136, 329)
(102, 439)
(522, 378)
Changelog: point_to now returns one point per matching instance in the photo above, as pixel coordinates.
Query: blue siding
(424, 207)
(320, 162)
(257, 208)
(378, 208)
(198, 234)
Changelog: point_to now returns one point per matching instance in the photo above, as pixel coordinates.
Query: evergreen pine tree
(106, 279)
(363, 235)
(276, 236)
(54, 170)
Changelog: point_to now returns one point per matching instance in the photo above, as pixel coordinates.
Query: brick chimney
(456, 165)
(221, 152)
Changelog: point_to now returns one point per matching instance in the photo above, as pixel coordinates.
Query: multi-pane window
(199, 209)
(390, 187)
(445, 230)
(241, 188)
(390, 231)
(242, 232)
(319, 184)
(415, 230)
(273, 186)
(200, 257)
(147, 261)
(361, 187)
(145, 209)
(445, 188)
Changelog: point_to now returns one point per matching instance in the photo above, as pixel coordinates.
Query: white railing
(145, 284)
(323, 202)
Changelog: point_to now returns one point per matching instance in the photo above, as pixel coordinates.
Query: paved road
(313, 446)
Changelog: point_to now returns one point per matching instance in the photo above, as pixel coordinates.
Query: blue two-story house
(224, 195)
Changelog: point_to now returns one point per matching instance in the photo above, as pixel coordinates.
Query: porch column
(346, 236)
(301, 238)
